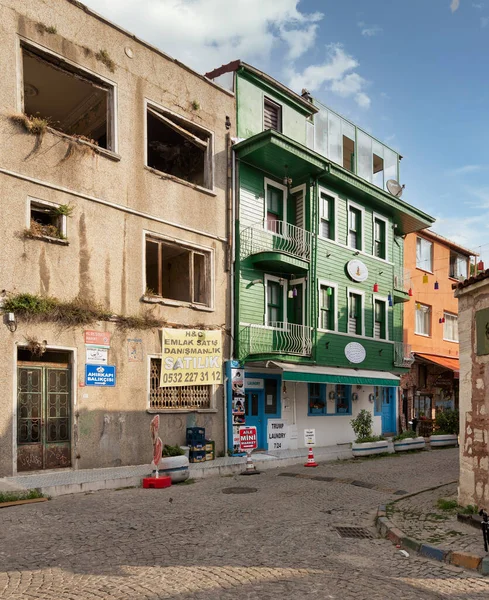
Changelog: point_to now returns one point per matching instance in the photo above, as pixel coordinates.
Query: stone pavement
(421, 518)
(199, 542)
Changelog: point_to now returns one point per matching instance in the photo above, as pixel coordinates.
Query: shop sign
(96, 355)
(97, 338)
(247, 438)
(102, 376)
(355, 352)
(191, 357)
(254, 384)
(278, 434)
(309, 437)
(357, 270)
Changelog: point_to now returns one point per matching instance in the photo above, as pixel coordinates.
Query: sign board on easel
(247, 438)
(309, 437)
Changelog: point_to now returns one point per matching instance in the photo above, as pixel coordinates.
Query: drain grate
(354, 532)
(239, 490)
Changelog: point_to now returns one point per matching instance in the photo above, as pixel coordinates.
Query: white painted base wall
(331, 429)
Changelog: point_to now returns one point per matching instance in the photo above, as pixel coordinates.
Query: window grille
(271, 115)
(188, 397)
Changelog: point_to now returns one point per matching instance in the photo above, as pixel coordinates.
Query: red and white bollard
(250, 467)
(310, 459)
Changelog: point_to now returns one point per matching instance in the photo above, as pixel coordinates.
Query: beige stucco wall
(104, 261)
(474, 400)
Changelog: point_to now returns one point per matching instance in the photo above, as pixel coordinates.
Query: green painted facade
(294, 258)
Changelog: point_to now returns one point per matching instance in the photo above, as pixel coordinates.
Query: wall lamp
(11, 322)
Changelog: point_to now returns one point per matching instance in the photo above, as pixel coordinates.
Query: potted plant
(366, 443)
(446, 429)
(174, 463)
(409, 440)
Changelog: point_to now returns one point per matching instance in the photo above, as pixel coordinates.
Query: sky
(414, 73)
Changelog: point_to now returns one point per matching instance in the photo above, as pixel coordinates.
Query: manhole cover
(354, 532)
(363, 484)
(239, 490)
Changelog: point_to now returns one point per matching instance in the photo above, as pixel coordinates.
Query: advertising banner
(191, 357)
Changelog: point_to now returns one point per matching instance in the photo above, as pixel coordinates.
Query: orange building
(432, 264)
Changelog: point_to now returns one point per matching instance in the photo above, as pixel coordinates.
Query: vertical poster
(238, 405)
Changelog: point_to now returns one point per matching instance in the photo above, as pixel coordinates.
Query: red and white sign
(247, 438)
(97, 338)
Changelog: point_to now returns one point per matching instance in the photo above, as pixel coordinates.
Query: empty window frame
(70, 99)
(378, 168)
(458, 265)
(348, 153)
(424, 254)
(380, 238)
(380, 319)
(422, 325)
(178, 147)
(46, 219)
(327, 215)
(272, 115)
(355, 313)
(178, 273)
(188, 397)
(450, 327)
(327, 306)
(355, 228)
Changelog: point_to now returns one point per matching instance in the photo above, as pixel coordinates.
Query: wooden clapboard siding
(251, 196)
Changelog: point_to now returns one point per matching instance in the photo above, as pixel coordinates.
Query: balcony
(280, 338)
(401, 287)
(402, 355)
(276, 245)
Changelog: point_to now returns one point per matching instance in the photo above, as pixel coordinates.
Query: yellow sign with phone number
(191, 357)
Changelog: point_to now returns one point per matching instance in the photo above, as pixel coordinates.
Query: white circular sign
(357, 270)
(355, 352)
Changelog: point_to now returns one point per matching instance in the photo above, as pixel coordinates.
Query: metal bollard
(485, 528)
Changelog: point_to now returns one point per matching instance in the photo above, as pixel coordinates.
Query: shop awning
(451, 364)
(313, 374)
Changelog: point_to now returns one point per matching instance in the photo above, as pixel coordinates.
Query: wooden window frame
(322, 283)
(360, 229)
(333, 214)
(316, 398)
(361, 294)
(376, 217)
(279, 281)
(278, 107)
(385, 301)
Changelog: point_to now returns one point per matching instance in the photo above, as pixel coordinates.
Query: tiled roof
(471, 280)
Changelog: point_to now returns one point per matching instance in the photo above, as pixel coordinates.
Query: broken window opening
(45, 221)
(348, 154)
(378, 171)
(71, 102)
(177, 273)
(179, 148)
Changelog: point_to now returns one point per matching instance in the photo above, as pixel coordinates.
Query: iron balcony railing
(280, 338)
(402, 281)
(276, 236)
(402, 355)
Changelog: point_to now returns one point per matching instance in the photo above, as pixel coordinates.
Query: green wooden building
(319, 290)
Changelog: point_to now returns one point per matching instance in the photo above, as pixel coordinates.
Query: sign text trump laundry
(191, 356)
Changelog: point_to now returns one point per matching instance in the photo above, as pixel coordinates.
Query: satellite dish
(395, 188)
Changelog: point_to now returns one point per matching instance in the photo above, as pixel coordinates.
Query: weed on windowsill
(42, 28)
(104, 57)
(32, 124)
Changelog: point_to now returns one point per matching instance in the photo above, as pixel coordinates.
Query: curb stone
(465, 560)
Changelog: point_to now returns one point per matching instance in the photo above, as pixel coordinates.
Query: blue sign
(100, 375)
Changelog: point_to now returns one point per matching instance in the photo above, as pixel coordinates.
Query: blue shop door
(254, 415)
(389, 410)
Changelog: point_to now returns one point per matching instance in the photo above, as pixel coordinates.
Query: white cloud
(205, 34)
(335, 74)
(370, 31)
(478, 5)
(466, 169)
(470, 232)
(484, 22)
(454, 5)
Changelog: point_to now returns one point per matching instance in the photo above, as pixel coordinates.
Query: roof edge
(442, 239)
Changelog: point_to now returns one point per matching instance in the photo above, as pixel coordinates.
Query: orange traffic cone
(310, 459)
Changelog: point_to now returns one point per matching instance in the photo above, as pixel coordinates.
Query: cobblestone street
(201, 542)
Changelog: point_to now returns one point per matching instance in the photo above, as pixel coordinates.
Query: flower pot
(416, 443)
(367, 448)
(175, 467)
(447, 439)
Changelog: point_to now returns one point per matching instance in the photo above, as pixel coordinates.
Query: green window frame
(354, 228)
(316, 405)
(275, 302)
(380, 239)
(327, 210)
(355, 321)
(326, 307)
(379, 320)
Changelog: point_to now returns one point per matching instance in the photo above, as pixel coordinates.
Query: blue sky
(411, 72)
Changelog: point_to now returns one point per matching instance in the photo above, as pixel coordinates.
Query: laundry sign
(278, 434)
(309, 437)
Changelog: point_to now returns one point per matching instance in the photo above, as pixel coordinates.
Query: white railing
(280, 338)
(402, 281)
(402, 355)
(276, 236)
